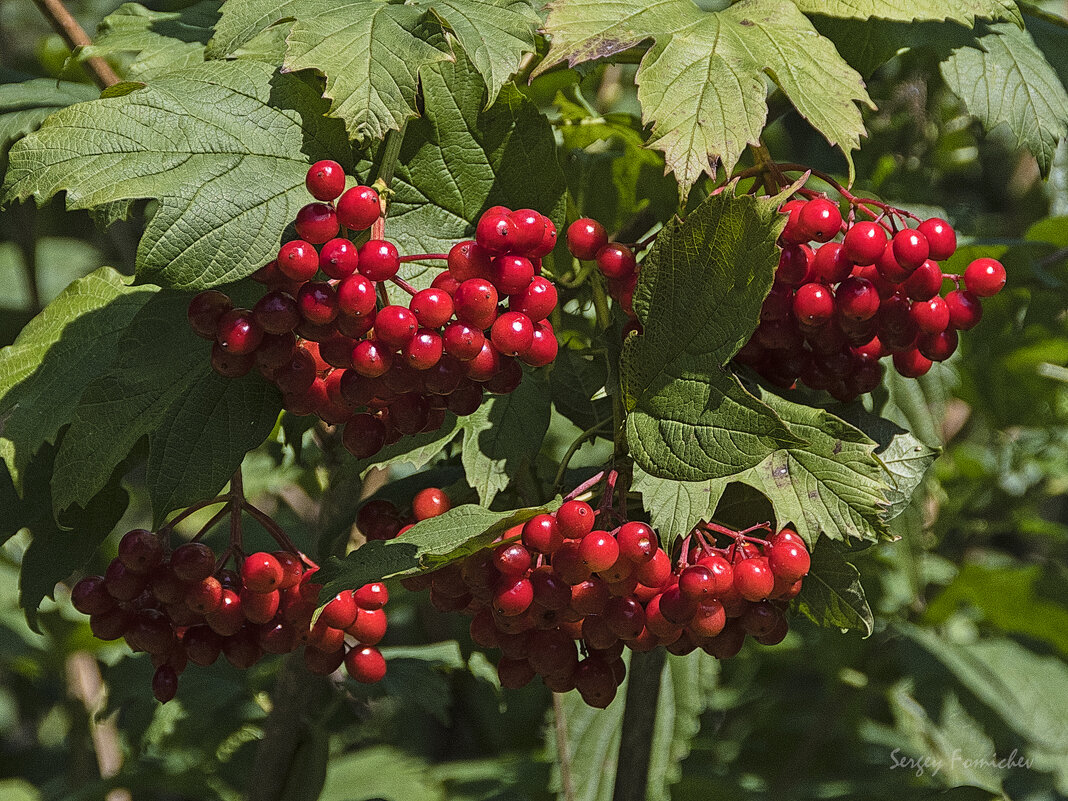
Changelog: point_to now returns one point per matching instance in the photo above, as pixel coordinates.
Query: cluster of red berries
(561, 598)
(337, 347)
(837, 308)
(380, 519)
(588, 241)
(184, 606)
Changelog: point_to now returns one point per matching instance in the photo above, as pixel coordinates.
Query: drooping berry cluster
(185, 606)
(561, 598)
(838, 307)
(328, 335)
(588, 240)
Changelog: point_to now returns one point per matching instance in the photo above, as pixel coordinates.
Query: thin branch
(64, 23)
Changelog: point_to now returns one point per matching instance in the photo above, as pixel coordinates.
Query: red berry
(598, 550)
(340, 612)
(890, 269)
(513, 596)
(537, 300)
(431, 307)
(512, 333)
(277, 312)
(395, 325)
(865, 242)
(931, 316)
(938, 347)
(512, 559)
(795, 261)
(813, 304)
(753, 578)
(910, 249)
(261, 572)
(925, 282)
(548, 241)
(356, 296)
(530, 230)
(202, 645)
(789, 560)
(325, 180)
(378, 260)
(205, 596)
(831, 264)
(371, 596)
(359, 208)
(317, 302)
(476, 303)
(462, 341)
(193, 561)
(366, 665)
(542, 534)
(316, 223)
(722, 574)
(911, 363)
(984, 277)
(485, 365)
(424, 350)
(468, 260)
(616, 261)
(585, 237)
(205, 310)
(576, 519)
(90, 596)
(298, 260)
(238, 333)
(338, 258)
(496, 231)
(511, 274)
(430, 502)
(637, 542)
(965, 312)
(941, 238)
(656, 571)
(140, 550)
(298, 372)
(696, 584)
(856, 298)
(820, 219)
(543, 346)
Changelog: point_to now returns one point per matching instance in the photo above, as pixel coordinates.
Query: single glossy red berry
(359, 208)
(530, 229)
(722, 574)
(371, 358)
(616, 261)
(637, 541)
(356, 296)
(192, 561)
(316, 223)
(395, 325)
(317, 302)
(576, 519)
(475, 302)
(795, 263)
(512, 333)
(378, 260)
(496, 231)
(910, 249)
(585, 237)
(599, 550)
(371, 596)
(431, 307)
(537, 300)
(911, 363)
(985, 277)
(513, 596)
(364, 436)
(325, 180)
(541, 534)
(511, 274)
(340, 612)
(831, 264)
(965, 311)
(468, 260)
(864, 242)
(90, 596)
(366, 665)
(813, 304)
(338, 258)
(753, 578)
(298, 260)
(238, 333)
(548, 241)
(462, 341)
(424, 350)
(931, 316)
(205, 596)
(543, 346)
(788, 557)
(938, 347)
(792, 233)
(429, 503)
(856, 299)
(277, 312)
(940, 236)
(205, 310)
(820, 219)
(261, 572)
(925, 282)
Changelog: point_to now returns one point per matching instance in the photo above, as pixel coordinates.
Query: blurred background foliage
(968, 659)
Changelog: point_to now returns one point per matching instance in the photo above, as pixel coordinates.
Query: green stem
(588, 434)
(639, 719)
(390, 150)
(600, 302)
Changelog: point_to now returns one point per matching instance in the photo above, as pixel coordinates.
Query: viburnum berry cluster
(191, 605)
(563, 594)
(587, 240)
(329, 336)
(839, 306)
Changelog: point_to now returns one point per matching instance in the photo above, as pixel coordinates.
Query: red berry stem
(411, 290)
(684, 553)
(585, 486)
(424, 257)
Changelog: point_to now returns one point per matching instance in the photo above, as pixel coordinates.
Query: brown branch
(64, 23)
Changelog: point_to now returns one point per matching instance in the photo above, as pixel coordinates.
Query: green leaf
(60, 548)
(307, 770)
(832, 484)
(675, 507)
(204, 436)
(224, 146)
(573, 382)
(1005, 79)
(698, 297)
(966, 11)
(149, 43)
(374, 54)
(24, 106)
(702, 84)
(459, 158)
(58, 353)
(831, 594)
(593, 734)
(503, 435)
(158, 360)
(380, 772)
(428, 544)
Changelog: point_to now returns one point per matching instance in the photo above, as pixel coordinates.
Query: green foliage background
(956, 624)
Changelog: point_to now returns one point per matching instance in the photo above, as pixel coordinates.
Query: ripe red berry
(205, 596)
(338, 258)
(511, 274)
(598, 550)
(366, 665)
(513, 595)
(205, 310)
(985, 277)
(637, 542)
(925, 282)
(813, 304)
(576, 519)
(430, 502)
(910, 249)
(931, 316)
(548, 241)
(616, 261)
(941, 238)
(864, 242)
(468, 260)
(938, 347)
(537, 300)
(789, 560)
(371, 596)
(431, 307)
(325, 180)
(261, 572)
(298, 260)
(543, 346)
(475, 302)
(585, 237)
(424, 350)
(316, 223)
(795, 262)
(317, 302)
(542, 534)
(378, 260)
(722, 574)
(359, 208)
(496, 231)
(856, 298)
(753, 578)
(395, 325)
(512, 333)
(890, 269)
(530, 229)
(356, 296)
(696, 584)
(192, 561)
(340, 612)
(831, 264)
(238, 333)
(965, 311)
(462, 341)
(820, 219)
(911, 363)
